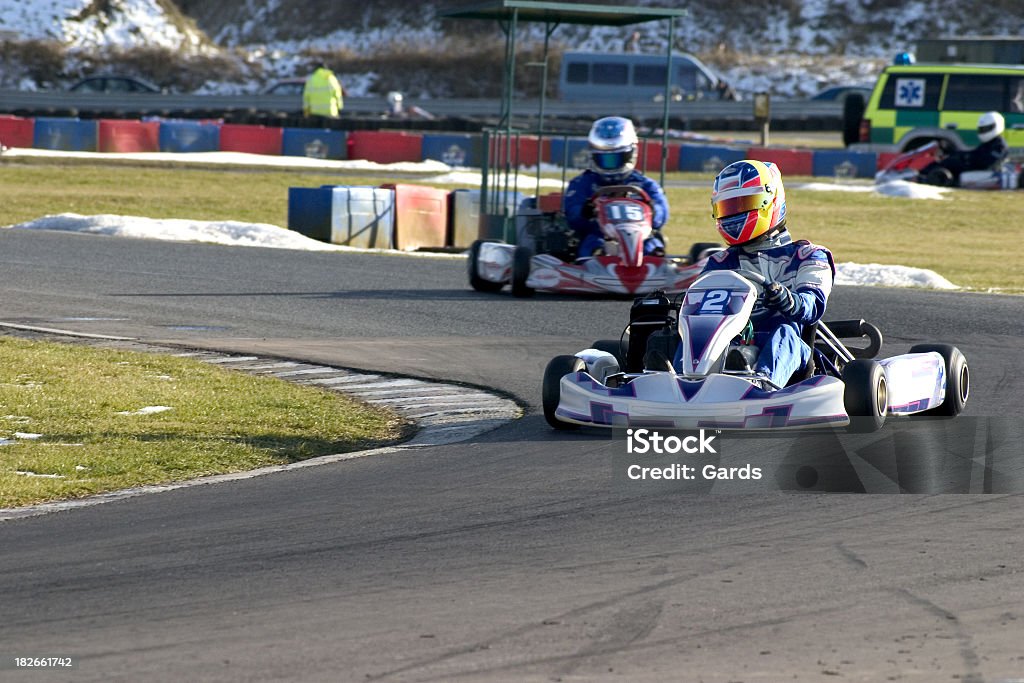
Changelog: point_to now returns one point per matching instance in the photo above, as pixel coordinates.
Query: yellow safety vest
(321, 95)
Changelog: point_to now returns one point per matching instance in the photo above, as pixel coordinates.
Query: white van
(593, 76)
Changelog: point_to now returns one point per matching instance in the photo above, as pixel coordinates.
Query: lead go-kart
(630, 382)
(623, 213)
(911, 165)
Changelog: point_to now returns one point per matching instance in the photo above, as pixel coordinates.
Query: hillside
(789, 47)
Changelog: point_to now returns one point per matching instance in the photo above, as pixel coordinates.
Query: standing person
(748, 203)
(322, 96)
(613, 152)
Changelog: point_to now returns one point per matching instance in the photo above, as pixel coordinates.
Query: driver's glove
(779, 298)
(588, 209)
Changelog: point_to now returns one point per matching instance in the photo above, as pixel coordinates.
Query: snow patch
(148, 410)
(890, 276)
(902, 188)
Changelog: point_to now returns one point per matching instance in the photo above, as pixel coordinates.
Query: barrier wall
(843, 164)
(708, 159)
(464, 215)
(385, 146)
(189, 136)
(316, 143)
(454, 150)
(250, 139)
(65, 134)
(578, 153)
(16, 131)
(524, 150)
(128, 136)
(352, 216)
(421, 216)
(790, 161)
(649, 157)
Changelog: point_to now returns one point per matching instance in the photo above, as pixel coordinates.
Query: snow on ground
(234, 233)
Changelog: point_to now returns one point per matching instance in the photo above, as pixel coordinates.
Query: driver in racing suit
(613, 151)
(989, 154)
(748, 203)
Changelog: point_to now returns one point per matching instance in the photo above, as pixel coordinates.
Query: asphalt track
(515, 556)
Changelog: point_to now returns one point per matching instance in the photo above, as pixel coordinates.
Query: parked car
(287, 86)
(114, 84)
(840, 92)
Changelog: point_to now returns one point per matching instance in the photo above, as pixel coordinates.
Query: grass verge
(71, 425)
(963, 237)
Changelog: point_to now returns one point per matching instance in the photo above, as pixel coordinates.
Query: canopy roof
(562, 13)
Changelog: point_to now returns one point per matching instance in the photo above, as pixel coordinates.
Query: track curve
(512, 556)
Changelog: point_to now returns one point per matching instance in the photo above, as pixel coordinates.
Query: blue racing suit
(581, 219)
(808, 271)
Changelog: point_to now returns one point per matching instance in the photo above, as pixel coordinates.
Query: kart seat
(809, 335)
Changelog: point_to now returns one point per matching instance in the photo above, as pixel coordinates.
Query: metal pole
(664, 116)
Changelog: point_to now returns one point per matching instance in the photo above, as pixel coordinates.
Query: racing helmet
(613, 147)
(990, 126)
(748, 201)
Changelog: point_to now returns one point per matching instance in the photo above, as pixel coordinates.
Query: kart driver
(989, 154)
(748, 203)
(613, 152)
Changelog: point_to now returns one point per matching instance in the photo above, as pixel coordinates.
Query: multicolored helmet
(748, 201)
(613, 147)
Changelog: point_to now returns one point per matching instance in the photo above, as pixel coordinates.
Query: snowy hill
(790, 47)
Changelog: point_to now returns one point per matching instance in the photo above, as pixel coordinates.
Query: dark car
(288, 86)
(839, 93)
(114, 84)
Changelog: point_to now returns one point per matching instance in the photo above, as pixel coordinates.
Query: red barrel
(114, 135)
(235, 137)
(421, 216)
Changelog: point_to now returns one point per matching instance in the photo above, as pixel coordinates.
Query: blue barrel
(579, 152)
(316, 143)
(189, 136)
(65, 134)
(843, 164)
(708, 158)
(454, 150)
(309, 212)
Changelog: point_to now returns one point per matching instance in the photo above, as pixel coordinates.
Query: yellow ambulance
(918, 103)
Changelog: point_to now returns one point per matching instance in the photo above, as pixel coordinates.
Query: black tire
(958, 379)
(613, 347)
(475, 281)
(853, 111)
(865, 395)
(551, 392)
(521, 271)
(698, 247)
(940, 176)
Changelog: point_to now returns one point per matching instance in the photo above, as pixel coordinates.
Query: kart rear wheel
(551, 392)
(475, 281)
(613, 347)
(698, 247)
(942, 177)
(521, 259)
(958, 379)
(865, 395)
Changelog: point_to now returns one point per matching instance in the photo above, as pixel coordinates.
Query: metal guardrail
(56, 103)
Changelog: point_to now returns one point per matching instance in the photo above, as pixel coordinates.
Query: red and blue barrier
(189, 136)
(790, 161)
(843, 164)
(454, 150)
(16, 131)
(421, 216)
(349, 215)
(236, 137)
(385, 146)
(315, 143)
(570, 152)
(115, 135)
(708, 158)
(65, 134)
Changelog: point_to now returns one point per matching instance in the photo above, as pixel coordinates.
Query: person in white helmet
(613, 146)
(989, 154)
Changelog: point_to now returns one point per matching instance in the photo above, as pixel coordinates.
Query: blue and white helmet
(613, 147)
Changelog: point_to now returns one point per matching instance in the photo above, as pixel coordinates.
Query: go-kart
(624, 214)
(911, 166)
(630, 382)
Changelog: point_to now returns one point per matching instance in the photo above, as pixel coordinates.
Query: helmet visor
(611, 161)
(734, 205)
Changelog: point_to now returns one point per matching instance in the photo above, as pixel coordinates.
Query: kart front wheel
(521, 264)
(958, 379)
(475, 281)
(865, 395)
(551, 392)
(697, 248)
(613, 347)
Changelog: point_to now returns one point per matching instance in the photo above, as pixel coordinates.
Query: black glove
(778, 297)
(588, 209)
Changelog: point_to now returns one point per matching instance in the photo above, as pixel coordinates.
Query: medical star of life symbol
(909, 92)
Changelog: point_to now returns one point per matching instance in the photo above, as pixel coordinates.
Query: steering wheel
(624, 191)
